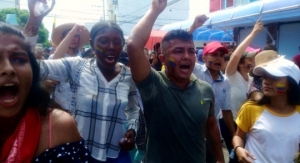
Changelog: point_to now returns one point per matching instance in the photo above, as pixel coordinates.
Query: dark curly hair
(38, 97)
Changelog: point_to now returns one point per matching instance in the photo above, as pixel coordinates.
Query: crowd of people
(108, 105)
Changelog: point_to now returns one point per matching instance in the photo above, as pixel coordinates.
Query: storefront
(289, 39)
(281, 19)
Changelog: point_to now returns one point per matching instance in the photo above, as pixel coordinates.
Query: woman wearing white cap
(273, 123)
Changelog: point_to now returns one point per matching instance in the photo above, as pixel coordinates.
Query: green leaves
(22, 17)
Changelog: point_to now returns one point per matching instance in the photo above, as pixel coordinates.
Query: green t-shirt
(176, 119)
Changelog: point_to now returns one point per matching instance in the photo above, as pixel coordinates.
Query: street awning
(155, 37)
(246, 15)
(204, 34)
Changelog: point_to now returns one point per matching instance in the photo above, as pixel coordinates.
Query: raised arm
(139, 64)
(64, 45)
(237, 54)
(198, 22)
(33, 23)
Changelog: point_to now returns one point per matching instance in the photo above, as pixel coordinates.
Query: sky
(82, 11)
(68, 11)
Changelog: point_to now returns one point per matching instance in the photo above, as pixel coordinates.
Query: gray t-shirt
(175, 118)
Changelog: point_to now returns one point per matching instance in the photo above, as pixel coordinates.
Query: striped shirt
(62, 93)
(98, 106)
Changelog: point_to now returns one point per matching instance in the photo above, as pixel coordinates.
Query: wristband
(236, 148)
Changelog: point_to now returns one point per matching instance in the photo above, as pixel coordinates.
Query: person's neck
(182, 84)
(7, 127)
(72, 52)
(244, 74)
(214, 74)
(280, 104)
(109, 74)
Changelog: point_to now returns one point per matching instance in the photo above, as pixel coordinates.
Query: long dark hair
(292, 94)
(38, 97)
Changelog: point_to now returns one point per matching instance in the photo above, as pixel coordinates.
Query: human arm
(226, 110)
(140, 66)
(64, 45)
(33, 23)
(63, 130)
(238, 144)
(132, 113)
(58, 70)
(213, 138)
(239, 51)
(198, 22)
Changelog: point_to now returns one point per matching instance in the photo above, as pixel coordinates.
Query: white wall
(198, 7)
(7, 4)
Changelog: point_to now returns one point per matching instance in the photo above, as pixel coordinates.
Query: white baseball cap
(279, 67)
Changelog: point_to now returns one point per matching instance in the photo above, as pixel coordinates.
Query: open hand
(258, 26)
(159, 5)
(243, 155)
(31, 4)
(77, 29)
(127, 143)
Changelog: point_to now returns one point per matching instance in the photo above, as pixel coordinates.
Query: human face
(75, 42)
(107, 46)
(158, 50)
(214, 61)
(248, 64)
(274, 86)
(179, 59)
(15, 75)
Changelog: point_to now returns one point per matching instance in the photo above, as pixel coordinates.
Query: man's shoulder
(202, 86)
(226, 81)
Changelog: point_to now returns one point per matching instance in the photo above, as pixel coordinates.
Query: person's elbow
(134, 44)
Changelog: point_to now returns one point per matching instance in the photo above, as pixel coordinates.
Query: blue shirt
(221, 88)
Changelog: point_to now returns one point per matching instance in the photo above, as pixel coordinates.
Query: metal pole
(103, 9)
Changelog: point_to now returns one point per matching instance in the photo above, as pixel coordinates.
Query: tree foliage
(22, 17)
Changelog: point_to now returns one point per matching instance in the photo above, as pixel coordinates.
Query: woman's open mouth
(8, 95)
(110, 59)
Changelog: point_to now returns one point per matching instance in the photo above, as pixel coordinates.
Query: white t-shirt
(239, 88)
(272, 137)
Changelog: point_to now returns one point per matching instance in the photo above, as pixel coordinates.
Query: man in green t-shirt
(178, 108)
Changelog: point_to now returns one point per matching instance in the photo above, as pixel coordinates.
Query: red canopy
(155, 36)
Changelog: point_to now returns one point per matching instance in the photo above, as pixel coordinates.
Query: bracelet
(237, 147)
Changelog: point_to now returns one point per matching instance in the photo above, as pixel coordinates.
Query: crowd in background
(173, 104)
